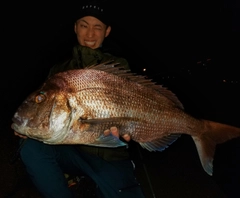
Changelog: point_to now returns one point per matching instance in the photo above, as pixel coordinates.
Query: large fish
(77, 106)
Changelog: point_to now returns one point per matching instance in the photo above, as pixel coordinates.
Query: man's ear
(75, 27)
(108, 30)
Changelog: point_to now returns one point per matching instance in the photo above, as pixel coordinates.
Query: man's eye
(83, 26)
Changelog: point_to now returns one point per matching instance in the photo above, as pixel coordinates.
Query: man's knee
(32, 151)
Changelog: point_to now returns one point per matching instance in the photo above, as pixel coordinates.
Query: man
(110, 168)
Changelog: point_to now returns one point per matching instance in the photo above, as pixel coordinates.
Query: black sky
(163, 31)
(161, 36)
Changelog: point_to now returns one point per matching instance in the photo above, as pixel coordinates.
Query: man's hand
(20, 135)
(114, 131)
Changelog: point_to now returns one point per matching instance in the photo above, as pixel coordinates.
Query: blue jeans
(46, 165)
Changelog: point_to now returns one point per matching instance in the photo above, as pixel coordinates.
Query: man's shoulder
(122, 62)
(83, 56)
(114, 50)
(102, 56)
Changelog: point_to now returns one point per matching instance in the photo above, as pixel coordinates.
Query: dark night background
(191, 47)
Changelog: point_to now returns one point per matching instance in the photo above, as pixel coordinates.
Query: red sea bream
(76, 106)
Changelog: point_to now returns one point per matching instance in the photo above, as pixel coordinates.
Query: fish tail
(214, 133)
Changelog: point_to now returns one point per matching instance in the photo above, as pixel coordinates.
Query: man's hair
(95, 8)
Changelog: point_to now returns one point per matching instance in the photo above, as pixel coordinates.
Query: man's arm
(113, 130)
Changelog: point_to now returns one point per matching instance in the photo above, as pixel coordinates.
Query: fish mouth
(16, 121)
(16, 127)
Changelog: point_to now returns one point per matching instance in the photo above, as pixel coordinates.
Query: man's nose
(90, 32)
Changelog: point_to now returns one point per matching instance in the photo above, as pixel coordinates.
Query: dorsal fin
(116, 69)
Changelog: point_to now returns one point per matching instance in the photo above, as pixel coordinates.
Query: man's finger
(126, 137)
(107, 132)
(19, 135)
(114, 131)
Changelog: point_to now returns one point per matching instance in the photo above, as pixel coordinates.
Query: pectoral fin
(108, 141)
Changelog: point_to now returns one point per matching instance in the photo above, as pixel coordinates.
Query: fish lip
(16, 121)
(14, 126)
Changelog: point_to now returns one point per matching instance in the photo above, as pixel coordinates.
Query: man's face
(91, 31)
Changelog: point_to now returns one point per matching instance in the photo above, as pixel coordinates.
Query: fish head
(45, 114)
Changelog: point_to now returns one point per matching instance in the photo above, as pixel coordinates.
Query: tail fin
(214, 133)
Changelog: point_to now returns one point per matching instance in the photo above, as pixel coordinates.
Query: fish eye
(40, 97)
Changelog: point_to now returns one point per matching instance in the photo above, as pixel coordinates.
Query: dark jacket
(82, 57)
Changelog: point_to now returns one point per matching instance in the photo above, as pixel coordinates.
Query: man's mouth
(90, 43)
